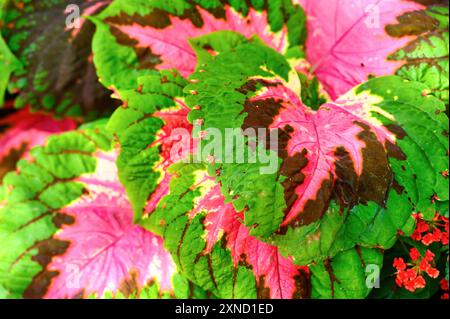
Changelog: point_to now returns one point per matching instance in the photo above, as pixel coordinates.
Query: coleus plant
(384, 224)
(67, 228)
(350, 41)
(139, 38)
(323, 216)
(356, 180)
(53, 49)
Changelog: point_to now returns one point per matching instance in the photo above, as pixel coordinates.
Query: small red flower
(412, 278)
(429, 255)
(432, 272)
(399, 264)
(429, 232)
(424, 265)
(444, 287)
(414, 254)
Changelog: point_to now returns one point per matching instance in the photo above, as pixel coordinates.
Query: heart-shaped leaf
(352, 151)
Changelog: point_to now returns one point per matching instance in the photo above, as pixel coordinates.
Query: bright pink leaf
(347, 41)
(107, 252)
(171, 44)
(209, 242)
(271, 269)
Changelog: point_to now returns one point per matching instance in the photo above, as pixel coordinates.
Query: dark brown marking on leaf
(346, 186)
(412, 23)
(303, 286)
(262, 292)
(397, 130)
(377, 176)
(158, 19)
(394, 151)
(47, 249)
(333, 279)
(359, 252)
(252, 85)
(210, 270)
(180, 243)
(9, 162)
(130, 286)
(315, 208)
(260, 113)
(60, 219)
(397, 187)
(291, 169)
(191, 289)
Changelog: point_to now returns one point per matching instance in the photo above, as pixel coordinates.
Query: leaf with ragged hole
(58, 73)
(66, 225)
(145, 129)
(135, 40)
(212, 247)
(23, 130)
(349, 41)
(350, 151)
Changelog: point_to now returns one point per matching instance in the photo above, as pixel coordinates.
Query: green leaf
(389, 106)
(34, 197)
(139, 128)
(426, 57)
(346, 276)
(9, 65)
(213, 249)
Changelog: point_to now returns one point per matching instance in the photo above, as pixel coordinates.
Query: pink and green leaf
(214, 249)
(351, 41)
(154, 35)
(144, 128)
(67, 227)
(352, 151)
(23, 130)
